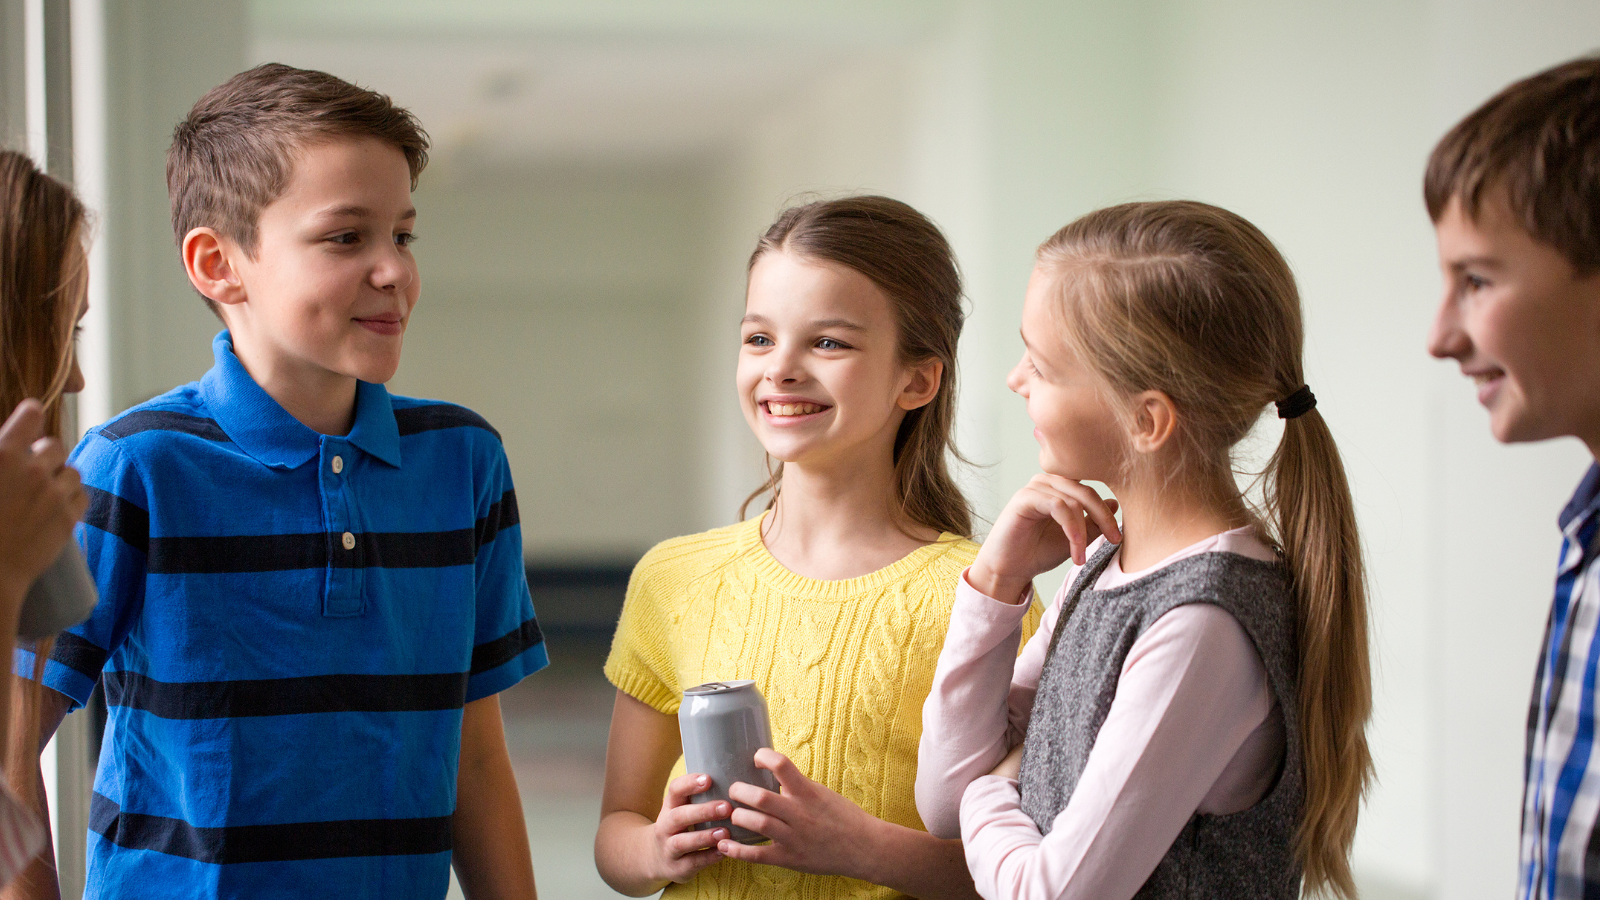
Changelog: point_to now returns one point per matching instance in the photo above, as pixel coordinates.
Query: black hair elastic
(1297, 404)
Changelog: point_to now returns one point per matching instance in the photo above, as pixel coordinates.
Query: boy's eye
(758, 340)
(405, 239)
(1474, 282)
(346, 237)
(831, 344)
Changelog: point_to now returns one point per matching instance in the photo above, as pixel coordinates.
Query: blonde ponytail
(1194, 301)
(1314, 517)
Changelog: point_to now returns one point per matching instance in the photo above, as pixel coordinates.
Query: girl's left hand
(1011, 766)
(813, 829)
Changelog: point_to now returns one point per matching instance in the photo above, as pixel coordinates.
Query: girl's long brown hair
(1194, 301)
(907, 257)
(43, 277)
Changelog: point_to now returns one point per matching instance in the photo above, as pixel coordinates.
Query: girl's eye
(405, 239)
(758, 340)
(830, 344)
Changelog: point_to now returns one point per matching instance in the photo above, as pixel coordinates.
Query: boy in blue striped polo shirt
(312, 591)
(1514, 192)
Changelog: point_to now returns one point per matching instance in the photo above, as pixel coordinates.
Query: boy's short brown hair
(1538, 142)
(234, 152)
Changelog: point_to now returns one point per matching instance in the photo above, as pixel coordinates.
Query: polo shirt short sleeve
(290, 626)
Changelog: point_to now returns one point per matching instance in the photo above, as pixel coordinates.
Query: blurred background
(600, 173)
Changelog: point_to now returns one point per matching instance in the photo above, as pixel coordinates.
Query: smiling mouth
(383, 325)
(788, 410)
(1482, 378)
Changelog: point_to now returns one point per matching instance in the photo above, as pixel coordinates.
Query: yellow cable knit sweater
(844, 667)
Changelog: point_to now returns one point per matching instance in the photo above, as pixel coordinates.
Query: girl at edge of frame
(1193, 724)
(43, 294)
(834, 600)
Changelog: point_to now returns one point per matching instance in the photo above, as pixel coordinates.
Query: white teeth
(793, 409)
(1485, 377)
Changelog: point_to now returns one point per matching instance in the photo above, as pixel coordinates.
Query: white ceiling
(657, 82)
(606, 102)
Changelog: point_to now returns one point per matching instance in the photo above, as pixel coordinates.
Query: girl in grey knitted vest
(1189, 720)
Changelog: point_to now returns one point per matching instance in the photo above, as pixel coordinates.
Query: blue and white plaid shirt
(1561, 776)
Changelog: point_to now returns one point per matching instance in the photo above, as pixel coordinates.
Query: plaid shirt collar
(1577, 515)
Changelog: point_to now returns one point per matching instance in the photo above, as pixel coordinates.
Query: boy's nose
(1446, 338)
(393, 273)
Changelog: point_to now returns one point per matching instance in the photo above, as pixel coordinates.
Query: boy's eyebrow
(356, 212)
(1485, 262)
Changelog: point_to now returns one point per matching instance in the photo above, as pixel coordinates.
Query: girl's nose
(783, 368)
(1014, 378)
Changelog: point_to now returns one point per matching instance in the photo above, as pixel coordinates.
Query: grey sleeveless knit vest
(1244, 854)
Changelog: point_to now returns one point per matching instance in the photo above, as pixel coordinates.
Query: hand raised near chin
(1049, 521)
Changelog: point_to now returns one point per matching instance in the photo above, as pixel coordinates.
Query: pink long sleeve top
(1192, 728)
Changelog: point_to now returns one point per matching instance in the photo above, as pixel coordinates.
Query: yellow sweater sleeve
(640, 663)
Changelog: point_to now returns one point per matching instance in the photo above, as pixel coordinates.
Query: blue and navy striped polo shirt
(289, 627)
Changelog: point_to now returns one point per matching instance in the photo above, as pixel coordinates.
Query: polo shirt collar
(259, 426)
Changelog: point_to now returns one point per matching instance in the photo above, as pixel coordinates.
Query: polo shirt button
(338, 464)
(349, 541)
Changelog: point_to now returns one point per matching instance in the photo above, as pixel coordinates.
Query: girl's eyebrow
(758, 319)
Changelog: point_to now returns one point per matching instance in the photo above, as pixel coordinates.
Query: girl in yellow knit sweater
(835, 601)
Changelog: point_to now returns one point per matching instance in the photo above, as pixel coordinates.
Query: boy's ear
(208, 260)
(923, 386)
(1155, 419)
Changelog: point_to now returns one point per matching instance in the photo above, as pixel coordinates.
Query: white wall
(157, 66)
(559, 304)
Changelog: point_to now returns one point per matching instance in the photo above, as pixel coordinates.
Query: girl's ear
(923, 386)
(1155, 419)
(208, 261)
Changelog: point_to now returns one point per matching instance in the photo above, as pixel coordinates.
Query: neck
(1159, 519)
(321, 400)
(840, 521)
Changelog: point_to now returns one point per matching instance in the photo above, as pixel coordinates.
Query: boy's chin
(1519, 426)
(375, 371)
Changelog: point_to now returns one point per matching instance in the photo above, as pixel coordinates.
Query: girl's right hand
(682, 851)
(41, 498)
(1048, 521)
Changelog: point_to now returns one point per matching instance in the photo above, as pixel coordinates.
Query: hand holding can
(723, 724)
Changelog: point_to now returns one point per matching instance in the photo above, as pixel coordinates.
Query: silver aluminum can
(723, 724)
